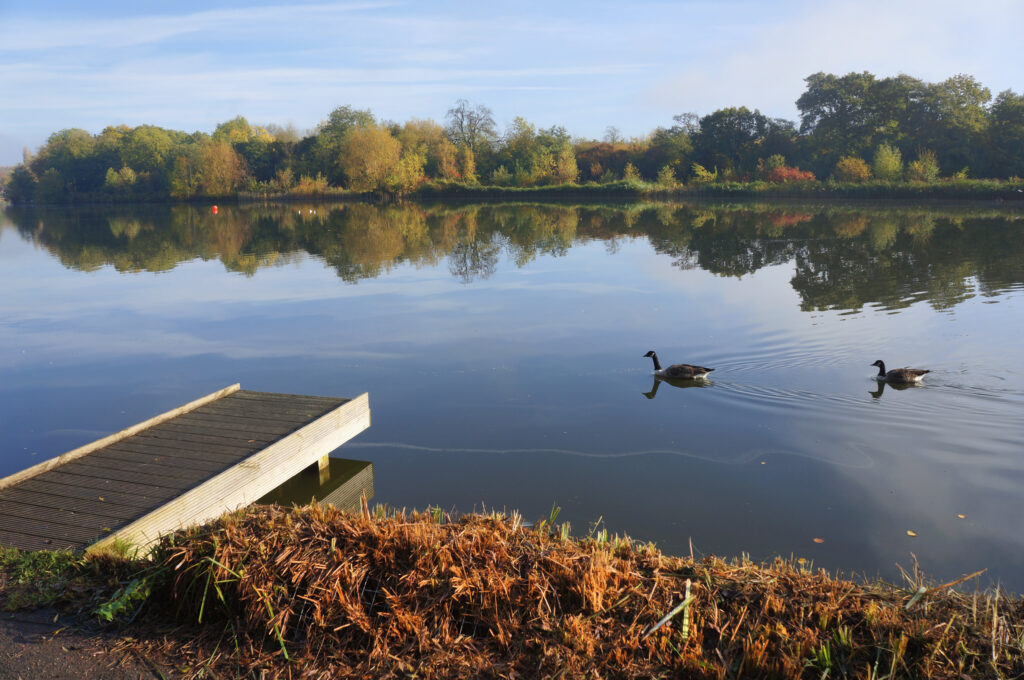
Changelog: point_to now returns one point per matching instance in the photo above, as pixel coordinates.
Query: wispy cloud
(581, 65)
(54, 33)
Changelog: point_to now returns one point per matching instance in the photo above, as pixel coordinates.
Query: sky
(585, 65)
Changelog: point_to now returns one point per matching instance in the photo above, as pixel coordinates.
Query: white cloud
(764, 66)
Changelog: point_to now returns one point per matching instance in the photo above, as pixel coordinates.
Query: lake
(502, 347)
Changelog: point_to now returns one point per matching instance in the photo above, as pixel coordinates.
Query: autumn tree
(323, 151)
(254, 143)
(373, 161)
(565, 170)
(223, 169)
(852, 169)
(426, 138)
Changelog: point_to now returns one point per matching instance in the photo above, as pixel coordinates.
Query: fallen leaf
(911, 533)
(962, 516)
(100, 497)
(819, 540)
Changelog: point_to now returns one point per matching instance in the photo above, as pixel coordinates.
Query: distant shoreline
(1008, 192)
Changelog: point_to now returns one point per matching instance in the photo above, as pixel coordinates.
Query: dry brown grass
(317, 593)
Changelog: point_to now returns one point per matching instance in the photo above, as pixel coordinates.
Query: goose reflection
(892, 386)
(674, 382)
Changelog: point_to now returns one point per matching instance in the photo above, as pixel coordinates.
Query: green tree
(925, 168)
(186, 174)
(670, 146)
(21, 185)
(955, 121)
(667, 177)
(734, 138)
(887, 164)
(52, 188)
(837, 112)
(1005, 137)
(72, 153)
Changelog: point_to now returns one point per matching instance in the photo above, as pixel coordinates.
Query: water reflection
(844, 258)
(682, 384)
(502, 347)
(892, 386)
(343, 484)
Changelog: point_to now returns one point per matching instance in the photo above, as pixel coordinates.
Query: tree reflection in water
(843, 257)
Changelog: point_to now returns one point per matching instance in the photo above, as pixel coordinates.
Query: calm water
(502, 348)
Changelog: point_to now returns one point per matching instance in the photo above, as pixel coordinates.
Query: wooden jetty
(191, 464)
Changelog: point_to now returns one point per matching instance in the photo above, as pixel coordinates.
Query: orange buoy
(214, 210)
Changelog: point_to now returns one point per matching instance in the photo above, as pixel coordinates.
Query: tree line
(854, 128)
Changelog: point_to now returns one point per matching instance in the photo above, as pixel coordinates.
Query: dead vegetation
(317, 593)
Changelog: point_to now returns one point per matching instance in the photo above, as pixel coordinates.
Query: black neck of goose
(881, 370)
(654, 358)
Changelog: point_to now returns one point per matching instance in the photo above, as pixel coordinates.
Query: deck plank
(188, 465)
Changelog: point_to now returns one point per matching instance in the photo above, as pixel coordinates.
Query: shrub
(785, 174)
(765, 167)
(702, 175)
(501, 177)
(887, 164)
(667, 177)
(852, 169)
(925, 168)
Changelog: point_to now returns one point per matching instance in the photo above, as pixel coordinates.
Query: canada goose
(899, 375)
(678, 371)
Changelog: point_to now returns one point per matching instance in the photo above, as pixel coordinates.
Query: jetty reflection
(343, 484)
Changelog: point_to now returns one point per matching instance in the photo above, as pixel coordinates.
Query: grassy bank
(317, 593)
(1007, 191)
(960, 190)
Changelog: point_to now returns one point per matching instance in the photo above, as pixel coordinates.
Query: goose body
(678, 371)
(899, 375)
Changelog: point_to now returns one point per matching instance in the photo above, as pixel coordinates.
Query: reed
(317, 593)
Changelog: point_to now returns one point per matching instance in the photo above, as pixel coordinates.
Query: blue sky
(585, 65)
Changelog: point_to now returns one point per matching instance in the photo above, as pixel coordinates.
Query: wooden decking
(186, 466)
